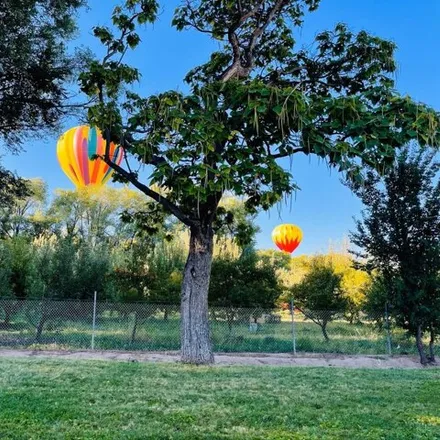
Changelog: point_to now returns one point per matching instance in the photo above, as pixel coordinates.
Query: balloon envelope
(287, 237)
(75, 151)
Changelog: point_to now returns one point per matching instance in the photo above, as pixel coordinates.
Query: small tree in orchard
(243, 287)
(255, 101)
(399, 237)
(319, 295)
(354, 282)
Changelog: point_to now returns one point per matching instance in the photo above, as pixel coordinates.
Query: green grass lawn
(51, 399)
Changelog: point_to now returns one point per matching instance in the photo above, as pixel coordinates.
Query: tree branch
(293, 151)
(193, 23)
(236, 69)
(309, 316)
(154, 160)
(167, 204)
(260, 29)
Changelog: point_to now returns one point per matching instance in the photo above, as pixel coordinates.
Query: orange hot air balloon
(75, 151)
(287, 237)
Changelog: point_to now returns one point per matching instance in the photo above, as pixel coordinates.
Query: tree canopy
(12, 187)
(252, 104)
(34, 65)
(319, 294)
(244, 282)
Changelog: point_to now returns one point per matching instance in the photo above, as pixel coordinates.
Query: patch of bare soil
(230, 359)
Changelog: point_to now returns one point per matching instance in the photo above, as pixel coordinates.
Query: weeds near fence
(155, 327)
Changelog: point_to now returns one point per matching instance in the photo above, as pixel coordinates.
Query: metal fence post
(387, 320)
(292, 313)
(94, 320)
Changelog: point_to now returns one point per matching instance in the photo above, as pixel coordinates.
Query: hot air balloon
(75, 151)
(287, 237)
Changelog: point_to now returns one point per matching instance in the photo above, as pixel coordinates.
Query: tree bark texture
(43, 319)
(134, 329)
(431, 346)
(196, 345)
(40, 328)
(324, 331)
(420, 347)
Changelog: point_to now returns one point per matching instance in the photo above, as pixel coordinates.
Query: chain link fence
(78, 325)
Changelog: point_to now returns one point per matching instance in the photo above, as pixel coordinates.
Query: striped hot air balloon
(287, 237)
(75, 151)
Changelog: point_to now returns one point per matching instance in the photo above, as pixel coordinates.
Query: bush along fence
(79, 325)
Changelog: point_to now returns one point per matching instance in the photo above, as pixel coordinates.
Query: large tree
(34, 65)
(256, 100)
(399, 238)
(34, 70)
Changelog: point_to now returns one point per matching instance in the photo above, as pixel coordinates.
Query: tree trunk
(230, 318)
(10, 309)
(44, 317)
(431, 346)
(196, 345)
(40, 328)
(165, 314)
(324, 331)
(8, 315)
(420, 348)
(133, 332)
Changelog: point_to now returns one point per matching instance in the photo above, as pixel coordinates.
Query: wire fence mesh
(70, 325)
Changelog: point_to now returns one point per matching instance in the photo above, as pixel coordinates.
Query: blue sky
(324, 208)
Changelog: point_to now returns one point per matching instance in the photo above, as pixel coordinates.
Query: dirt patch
(302, 360)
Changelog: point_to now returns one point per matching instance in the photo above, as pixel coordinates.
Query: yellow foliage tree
(354, 283)
(93, 212)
